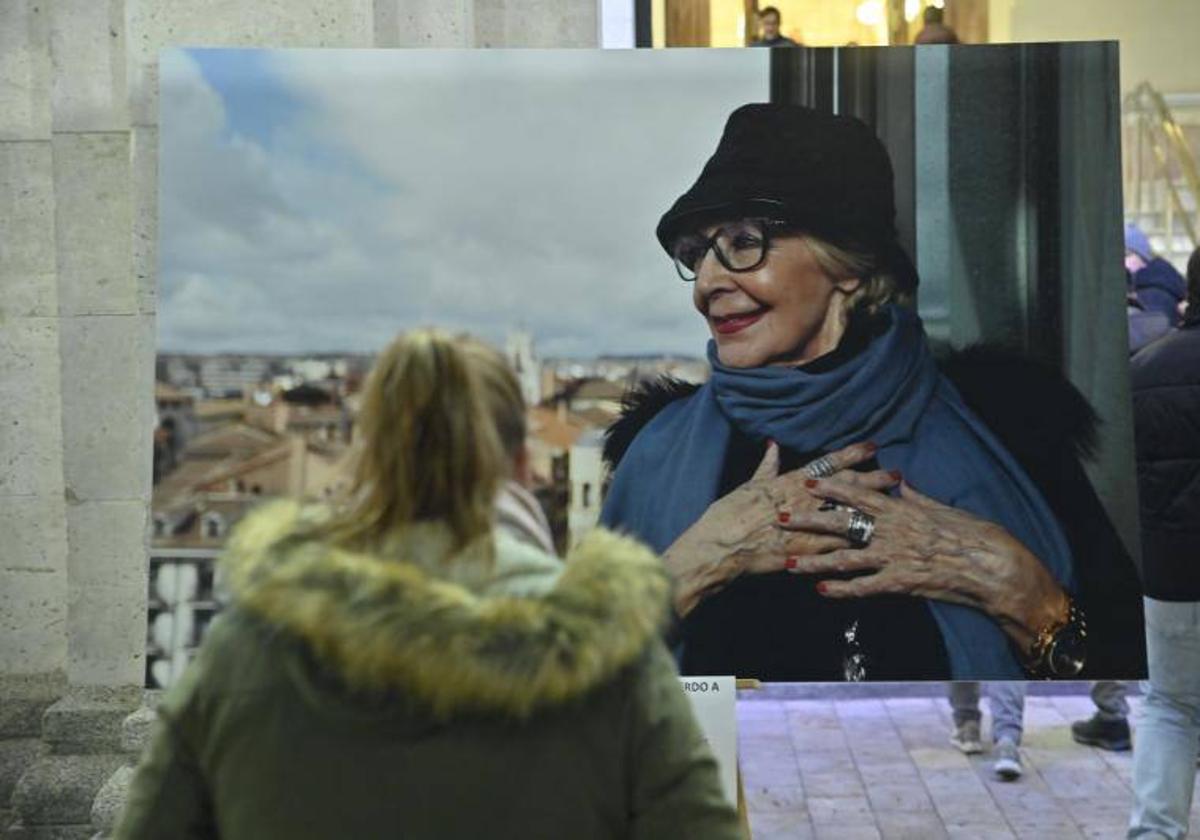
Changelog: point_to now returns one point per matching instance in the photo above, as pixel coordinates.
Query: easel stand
(743, 814)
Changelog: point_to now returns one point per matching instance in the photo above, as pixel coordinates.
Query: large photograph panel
(719, 275)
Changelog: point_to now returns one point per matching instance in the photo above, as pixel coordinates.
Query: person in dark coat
(1145, 325)
(935, 30)
(769, 21)
(818, 361)
(399, 665)
(1159, 288)
(1166, 404)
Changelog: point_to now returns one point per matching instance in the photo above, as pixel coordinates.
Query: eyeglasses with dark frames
(740, 246)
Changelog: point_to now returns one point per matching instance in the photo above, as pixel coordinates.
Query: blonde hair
(878, 287)
(442, 419)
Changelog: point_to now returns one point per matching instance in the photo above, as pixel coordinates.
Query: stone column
(104, 376)
(33, 543)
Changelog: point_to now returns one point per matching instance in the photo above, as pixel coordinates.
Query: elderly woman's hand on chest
(923, 548)
(740, 533)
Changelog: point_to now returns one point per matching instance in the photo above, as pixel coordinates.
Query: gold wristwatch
(1060, 648)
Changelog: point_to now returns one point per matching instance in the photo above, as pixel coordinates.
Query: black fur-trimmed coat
(1051, 430)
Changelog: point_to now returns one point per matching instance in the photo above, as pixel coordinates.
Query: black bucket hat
(827, 174)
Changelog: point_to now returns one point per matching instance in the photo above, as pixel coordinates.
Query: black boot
(1103, 733)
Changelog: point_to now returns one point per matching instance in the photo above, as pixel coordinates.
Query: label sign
(714, 701)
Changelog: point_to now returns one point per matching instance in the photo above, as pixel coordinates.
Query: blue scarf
(892, 394)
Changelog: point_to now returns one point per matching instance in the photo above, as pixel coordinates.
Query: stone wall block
(107, 579)
(16, 756)
(20, 831)
(106, 809)
(423, 23)
(536, 23)
(112, 531)
(93, 219)
(33, 623)
(108, 407)
(88, 720)
(27, 259)
(144, 172)
(34, 533)
(27, 295)
(24, 71)
(24, 698)
(143, 90)
(146, 341)
(489, 23)
(87, 43)
(138, 726)
(30, 421)
(107, 634)
(156, 24)
(58, 790)
(387, 24)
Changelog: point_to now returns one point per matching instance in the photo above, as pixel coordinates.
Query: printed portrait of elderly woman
(828, 504)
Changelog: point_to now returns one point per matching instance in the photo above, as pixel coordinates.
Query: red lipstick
(736, 323)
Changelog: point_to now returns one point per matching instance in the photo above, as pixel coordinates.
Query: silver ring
(861, 528)
(820, 468)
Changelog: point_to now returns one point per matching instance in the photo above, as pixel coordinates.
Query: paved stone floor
(883, 768)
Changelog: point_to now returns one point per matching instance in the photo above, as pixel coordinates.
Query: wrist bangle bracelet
(1060, 647)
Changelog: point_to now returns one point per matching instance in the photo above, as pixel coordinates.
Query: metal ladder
(1161, 179)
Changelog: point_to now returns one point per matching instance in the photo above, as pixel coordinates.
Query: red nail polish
(791, 563)
(784, 516)
(810, 482)
(896, 475)
(822, 587)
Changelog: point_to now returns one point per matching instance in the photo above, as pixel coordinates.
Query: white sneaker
(966, 738)
(1007, 765)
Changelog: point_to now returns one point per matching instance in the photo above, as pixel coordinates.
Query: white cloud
(479, 189)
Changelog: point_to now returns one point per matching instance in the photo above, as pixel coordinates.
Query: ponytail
(440, 423)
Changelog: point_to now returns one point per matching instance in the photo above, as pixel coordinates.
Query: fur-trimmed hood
(508, 636)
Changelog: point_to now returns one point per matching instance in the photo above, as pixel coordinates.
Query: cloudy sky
(323, 200)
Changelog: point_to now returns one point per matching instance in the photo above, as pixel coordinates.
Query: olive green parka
(346, 695)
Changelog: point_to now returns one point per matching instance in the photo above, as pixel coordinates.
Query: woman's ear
(848, 285)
